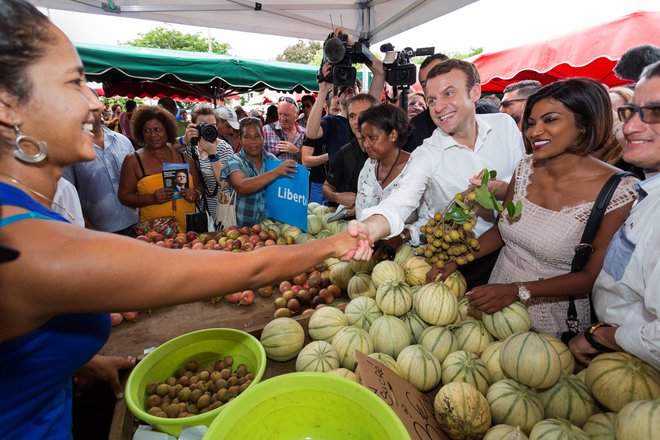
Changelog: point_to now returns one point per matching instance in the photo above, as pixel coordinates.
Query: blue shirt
(251, 208)
(336, 133)
(97, 183)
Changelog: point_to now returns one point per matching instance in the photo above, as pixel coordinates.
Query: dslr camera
(206, 131)
(399, 70)
(342, 55)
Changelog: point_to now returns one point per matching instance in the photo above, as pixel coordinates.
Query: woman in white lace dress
(557, 184)
(385, 131)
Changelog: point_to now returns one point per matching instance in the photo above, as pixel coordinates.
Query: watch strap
(589, 336)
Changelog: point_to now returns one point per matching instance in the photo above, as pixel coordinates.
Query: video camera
(342, 55)
(399, 70)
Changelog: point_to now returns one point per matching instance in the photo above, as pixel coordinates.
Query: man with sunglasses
(515, 97)
(626, 296)
(306, 104)
(284, 138)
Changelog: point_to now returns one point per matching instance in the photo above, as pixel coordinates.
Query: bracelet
(589, 336)
(180, 140)
(213, 158)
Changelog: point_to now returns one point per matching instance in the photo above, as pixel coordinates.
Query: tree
(461, 56)
(301, 52)
(165, 38)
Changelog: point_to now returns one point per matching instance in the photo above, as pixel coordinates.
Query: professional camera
(207, 131)
(399, 70)
(342, 55)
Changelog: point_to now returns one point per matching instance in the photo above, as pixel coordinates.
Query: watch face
(524, 293)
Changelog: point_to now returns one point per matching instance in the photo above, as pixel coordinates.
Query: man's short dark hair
(525, 87)
(366, 97)
(130, 105)
(429, 59)
(651, 71)
(309, 98)
(634, 60)
(168, 104)
(464, 66)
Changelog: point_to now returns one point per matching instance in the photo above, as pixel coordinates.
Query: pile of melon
(495, 379)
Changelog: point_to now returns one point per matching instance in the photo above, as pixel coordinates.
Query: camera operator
(209, 153)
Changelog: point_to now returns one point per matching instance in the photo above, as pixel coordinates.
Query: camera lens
(208, 131)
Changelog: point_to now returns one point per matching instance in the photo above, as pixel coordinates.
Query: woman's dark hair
(250, 120)
(271, 114)
(148, 112)
(590, 104)
(115, 106)
(388, 118)
(24, 35)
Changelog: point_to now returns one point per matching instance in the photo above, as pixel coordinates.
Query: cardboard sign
(287, 198)
(412, 407)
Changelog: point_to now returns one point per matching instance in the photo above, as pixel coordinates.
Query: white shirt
(66, 197)
(627, 290)
(441, 167)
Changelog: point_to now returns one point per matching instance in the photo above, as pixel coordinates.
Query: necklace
(156, 157)
(38, 194)
(391, 168)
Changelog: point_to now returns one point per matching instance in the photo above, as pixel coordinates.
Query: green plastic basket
(203, 346)
(311, 406)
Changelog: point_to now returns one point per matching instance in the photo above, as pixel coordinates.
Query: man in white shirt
(463, 145)
(626, 294)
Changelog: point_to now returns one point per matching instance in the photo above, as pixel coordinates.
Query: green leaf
(511, 209)
(496, 205)
(518, 208)
(456, 214)
(461, 204)
(484, 197)
(493, 174)
(485, 178)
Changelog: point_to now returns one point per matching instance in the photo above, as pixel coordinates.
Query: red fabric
(592, 52)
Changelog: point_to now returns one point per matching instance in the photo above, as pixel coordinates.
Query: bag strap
(208, 193)
(584, 250)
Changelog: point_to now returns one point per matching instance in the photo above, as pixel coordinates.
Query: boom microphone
(334, 50)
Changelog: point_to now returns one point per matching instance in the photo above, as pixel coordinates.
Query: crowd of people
(554, 148)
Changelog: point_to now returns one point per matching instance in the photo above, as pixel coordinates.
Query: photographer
(209, 152)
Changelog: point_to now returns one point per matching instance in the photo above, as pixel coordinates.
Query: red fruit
(263, 235)
(130, 316)
(293, 304)
(328, 297)
(160, 243)
(116, 318)
(265, 292)
(320, 306)
(217, 247)
(300, 279)
(336, 291)
(191, 235)
(254, 239)
(313, 291)
(308, 312)
(247, 298)
(270, 242)
(321, 267)
(247, 247)
(296, 288)
(233, 298)
(325, 282)
(284, 286)
(144, 238)
(256, 229)
(244, 230)
(197, 246)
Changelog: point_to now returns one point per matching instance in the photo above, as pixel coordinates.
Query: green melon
(557, 429)
(600, 426)
(471, 335)
(531, 360)
(325, 323)
(415, 324)
(420, 367)
(282, 338)
(463, 366)
(362, 312)
(317, 356)
(435, 304)
(511, 319)
(387, 271)
(349, 339)
(389, 335)
(568, 399)
(394, 298)
(438, 340)
(512, 403)
(462, 411)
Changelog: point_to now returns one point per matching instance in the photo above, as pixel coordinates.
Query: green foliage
(462, 55)
(302, 53)
(121, 101)
(165, 38)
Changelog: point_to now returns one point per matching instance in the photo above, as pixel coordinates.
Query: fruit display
(512, 403)
(531, 360)
(195, 388)
(557, 429)
(462, 411)
(420, 367)
(639, 420)
(282, 338)
(448, 234)
(317, 356)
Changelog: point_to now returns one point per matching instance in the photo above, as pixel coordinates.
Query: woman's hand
(106, 369)
(162, 195)
(446, 270)
(189, 194)
(286, 169)
(191, 133)
(491, 298)
(209, 147)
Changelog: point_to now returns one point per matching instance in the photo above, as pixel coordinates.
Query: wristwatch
(213, 158)
(589, 336)
(523, 293)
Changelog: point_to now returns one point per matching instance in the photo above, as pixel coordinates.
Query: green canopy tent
(139, 72)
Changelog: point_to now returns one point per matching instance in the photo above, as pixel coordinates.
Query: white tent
(375, 20)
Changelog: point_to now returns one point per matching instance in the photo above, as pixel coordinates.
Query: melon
(403, 253)
(282, 339)
(463, 308)
(314, 224)
(471, 335)
(387, 271)
(358, 266)
(600, 426)
(311, 206)
(557, 429)
(415, 269)
(324, 233)
(511, 319)
(582, 375)
(346, 373)
(616, 379)
(491, 358)
(331, 262)
(387, 360)
(325, 323)
(389, 335)
(512, 403)
(362, 312)
(360, 285)
(639, 420)
(415, 324)
(565, 356)
(531, 360)
(322, 210)
(457, 284)
(349, 339)
(438, 340)
(292, 232)
(420, 367)
(568, 399)
(463, 366)
(341, 274)
(505, 432)
(317, 356)
(435, 304)
(462, 411)
(394, 298)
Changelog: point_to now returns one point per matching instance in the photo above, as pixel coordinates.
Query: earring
(20, 153)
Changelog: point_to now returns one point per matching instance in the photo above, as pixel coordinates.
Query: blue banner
(287, 198)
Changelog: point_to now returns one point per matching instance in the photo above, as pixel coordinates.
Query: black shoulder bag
(584, 250)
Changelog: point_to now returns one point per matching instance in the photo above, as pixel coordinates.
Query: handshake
(354, 243)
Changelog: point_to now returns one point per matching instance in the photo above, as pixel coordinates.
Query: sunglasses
(648, 114)
(249, 120)
(506, 104)
(287, 99)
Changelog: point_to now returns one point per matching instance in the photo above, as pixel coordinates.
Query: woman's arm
(67, 269)
(127, 192)
(249, 185)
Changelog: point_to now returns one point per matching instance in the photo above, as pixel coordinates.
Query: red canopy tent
(591, 52)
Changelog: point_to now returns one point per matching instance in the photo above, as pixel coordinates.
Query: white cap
(227, 114)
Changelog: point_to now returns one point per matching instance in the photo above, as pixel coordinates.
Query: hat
(228, 114)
